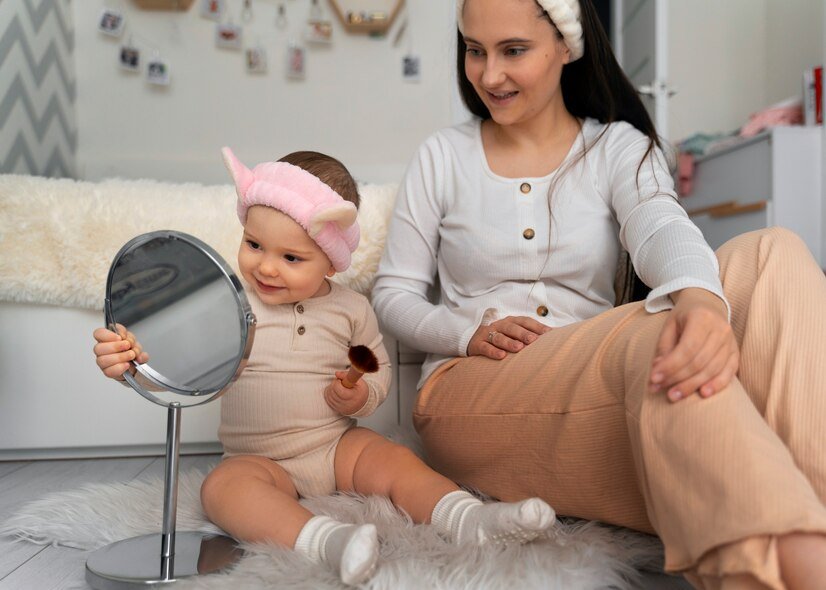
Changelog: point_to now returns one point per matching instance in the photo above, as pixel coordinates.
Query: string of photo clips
(317, 30)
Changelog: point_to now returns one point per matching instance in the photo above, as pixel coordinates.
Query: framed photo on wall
(295, 62)
(228, 36)
(411, 68)
(130, 58)
(212, 9)
(157, 72)
(111, 22)
(319, 31)
(256, 60)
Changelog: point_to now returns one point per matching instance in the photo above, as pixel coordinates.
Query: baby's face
(279, 260)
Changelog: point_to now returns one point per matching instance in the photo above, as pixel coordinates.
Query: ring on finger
(491, 335)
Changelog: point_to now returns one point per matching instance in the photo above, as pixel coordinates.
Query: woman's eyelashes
(515, 51)
(512, 51)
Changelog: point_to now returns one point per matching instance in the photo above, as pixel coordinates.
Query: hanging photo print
(157, 72)
(318, 29)
(281, 17)
(295, 62)
(411, 68)
(111, 22)
(130, 58)
(228, 36)
(256, 60)
(212, 9)
(246, 11)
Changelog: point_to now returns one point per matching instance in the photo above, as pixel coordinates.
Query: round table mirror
(187, 310)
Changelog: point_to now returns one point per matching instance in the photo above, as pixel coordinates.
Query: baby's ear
(331, 271)
(343, 214)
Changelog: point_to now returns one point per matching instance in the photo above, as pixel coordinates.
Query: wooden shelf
(363, 24)
(181, 5)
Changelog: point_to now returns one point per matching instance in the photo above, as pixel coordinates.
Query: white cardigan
(499, 249)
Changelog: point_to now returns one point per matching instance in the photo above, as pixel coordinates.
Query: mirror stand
(175, 295)
(160, 559)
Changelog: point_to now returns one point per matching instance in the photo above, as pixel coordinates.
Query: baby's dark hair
(328, 170)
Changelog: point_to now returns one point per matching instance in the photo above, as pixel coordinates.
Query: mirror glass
(186, 309)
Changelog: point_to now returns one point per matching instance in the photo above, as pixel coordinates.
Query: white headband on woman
(565, 14)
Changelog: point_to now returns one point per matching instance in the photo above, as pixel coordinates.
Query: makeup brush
(362, 360)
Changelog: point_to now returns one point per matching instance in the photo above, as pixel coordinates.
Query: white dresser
(771, 179)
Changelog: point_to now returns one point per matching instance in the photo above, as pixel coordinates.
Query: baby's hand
(346, 401)
(113, 352)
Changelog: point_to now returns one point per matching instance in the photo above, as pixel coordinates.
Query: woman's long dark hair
(593, 86)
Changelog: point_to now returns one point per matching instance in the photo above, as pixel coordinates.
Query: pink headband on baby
(327, 218)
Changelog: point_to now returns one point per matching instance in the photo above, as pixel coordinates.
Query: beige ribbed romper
(276, 408)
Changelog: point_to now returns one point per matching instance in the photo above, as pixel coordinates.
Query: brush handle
(351, 378)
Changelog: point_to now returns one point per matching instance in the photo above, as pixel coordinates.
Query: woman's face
(514, 58)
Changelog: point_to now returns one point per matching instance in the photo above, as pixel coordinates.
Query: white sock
(352, 550)
(465, 519)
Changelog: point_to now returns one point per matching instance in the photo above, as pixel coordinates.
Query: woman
(515, 222)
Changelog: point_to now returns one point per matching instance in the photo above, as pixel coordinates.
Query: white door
(641, 44)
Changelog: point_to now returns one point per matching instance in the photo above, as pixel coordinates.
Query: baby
(287, 425)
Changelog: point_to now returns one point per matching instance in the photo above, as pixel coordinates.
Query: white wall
(353, 103)
(794, 42)
(730, 59)
(727, 60)
(716, 64)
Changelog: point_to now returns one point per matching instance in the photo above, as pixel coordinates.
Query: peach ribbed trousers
(570, 419)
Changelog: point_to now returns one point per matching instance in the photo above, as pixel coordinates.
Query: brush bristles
(363, 359)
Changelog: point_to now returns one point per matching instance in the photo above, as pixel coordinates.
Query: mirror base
(137, 562)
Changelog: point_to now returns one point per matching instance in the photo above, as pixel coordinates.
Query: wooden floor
(25, 566)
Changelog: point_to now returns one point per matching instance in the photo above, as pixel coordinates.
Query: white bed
(57, 239)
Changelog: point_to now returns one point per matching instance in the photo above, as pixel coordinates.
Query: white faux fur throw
(58, 236)
(581, 556)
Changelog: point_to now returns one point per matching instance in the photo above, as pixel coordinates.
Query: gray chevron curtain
(38, 131)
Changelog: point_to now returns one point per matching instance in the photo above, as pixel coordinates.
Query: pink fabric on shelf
(787, 113)
(685, 173)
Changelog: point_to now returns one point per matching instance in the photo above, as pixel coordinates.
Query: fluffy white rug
(59, 236)
(576, 555)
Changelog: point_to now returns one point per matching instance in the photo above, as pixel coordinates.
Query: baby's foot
(351, 550)
(506, 522)
(465, 519)
(357, 562)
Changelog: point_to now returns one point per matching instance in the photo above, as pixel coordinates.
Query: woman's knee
(770, 240)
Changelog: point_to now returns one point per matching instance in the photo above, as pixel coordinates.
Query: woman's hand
(343, 400)
(697, 351)
(510, 334)
(113, 352)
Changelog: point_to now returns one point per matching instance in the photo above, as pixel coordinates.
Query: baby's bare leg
(368, 463)
(253, 499)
